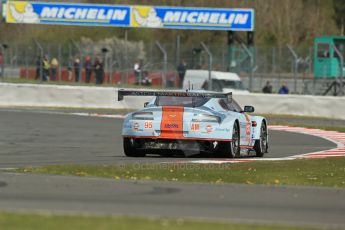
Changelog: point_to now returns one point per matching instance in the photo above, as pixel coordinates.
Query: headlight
(142, 116)
(206, 118)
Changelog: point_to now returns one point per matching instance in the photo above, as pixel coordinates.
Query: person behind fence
(70, 69)
(181, 69)
(283, 89)
(88, 69)
(99, 70)
(76, 65)
(2, 64)
(46, 68)
(137, 72)
(38, 67)
(267, 88)
(54, 65)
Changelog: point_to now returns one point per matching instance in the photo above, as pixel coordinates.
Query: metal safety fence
(157, 62)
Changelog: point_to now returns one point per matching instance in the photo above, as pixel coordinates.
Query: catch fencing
(277, 65)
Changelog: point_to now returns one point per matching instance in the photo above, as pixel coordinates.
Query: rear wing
(122, 93)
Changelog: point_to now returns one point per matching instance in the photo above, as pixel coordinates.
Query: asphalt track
(29, 138)
(32, 139)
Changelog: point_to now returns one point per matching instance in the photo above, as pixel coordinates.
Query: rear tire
(261, 145)
(230, 149)
(130, 148)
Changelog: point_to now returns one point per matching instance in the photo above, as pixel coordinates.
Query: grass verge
(11, 221)
(329, 172)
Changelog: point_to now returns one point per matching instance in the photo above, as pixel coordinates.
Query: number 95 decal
(148, 125)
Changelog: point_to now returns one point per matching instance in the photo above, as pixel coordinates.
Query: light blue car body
(250, 126)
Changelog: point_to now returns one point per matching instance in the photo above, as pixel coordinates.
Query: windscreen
(181, 101)
(228, 84)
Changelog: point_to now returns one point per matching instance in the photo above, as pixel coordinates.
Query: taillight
(254, 124)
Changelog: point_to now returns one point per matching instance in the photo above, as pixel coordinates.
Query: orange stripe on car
(172, 122)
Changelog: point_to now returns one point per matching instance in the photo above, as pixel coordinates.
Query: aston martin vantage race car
(192, 122)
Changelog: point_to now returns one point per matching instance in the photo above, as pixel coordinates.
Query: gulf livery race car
(192, 122)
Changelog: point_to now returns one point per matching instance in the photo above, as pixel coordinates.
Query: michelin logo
(206, 17)
(152, 20)
(28, 16)
(74, 13)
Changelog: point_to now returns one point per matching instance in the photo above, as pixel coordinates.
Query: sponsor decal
(248, 128)
(195, 127)
(209, 128)
(136, 126)
(222, 130)
(171, 126)
(129, 16)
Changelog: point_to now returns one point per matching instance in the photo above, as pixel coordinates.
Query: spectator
(283, 89)
(2, 65)
(99, 71)
(76, 65)
(46, 68)
(70, 69)
(181, 69)
(54, 64)
(137, 72)
(88, 69)
(38, 67)
(267, 88)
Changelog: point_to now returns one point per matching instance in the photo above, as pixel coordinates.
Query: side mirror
(145, 104)
(248, 109)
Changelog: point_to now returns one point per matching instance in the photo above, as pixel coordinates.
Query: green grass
(11, 221)
(329, 172)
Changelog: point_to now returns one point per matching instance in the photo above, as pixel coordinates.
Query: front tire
(230, 149)
(261, 145)
(130, 148)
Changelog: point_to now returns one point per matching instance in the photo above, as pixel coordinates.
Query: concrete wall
(31, 95)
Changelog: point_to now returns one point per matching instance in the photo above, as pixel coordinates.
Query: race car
(192, 122)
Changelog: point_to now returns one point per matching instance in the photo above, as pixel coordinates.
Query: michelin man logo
(151, 20)
(28, 16)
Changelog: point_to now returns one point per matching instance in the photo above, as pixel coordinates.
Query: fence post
(126, 57)
(178, 49)
(341, 66)
(2, 65)
(164, 64)
(60, 62)
(295, 66)
(210, 63)
(273, 60)
(40, 58)
(80, 58)
(252, 67)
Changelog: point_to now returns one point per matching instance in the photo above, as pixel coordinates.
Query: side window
(322, 50)
(223, 104)
(233, 106)
(237, 106)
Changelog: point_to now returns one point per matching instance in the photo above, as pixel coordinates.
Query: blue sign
(212, 19)
(129, 16)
